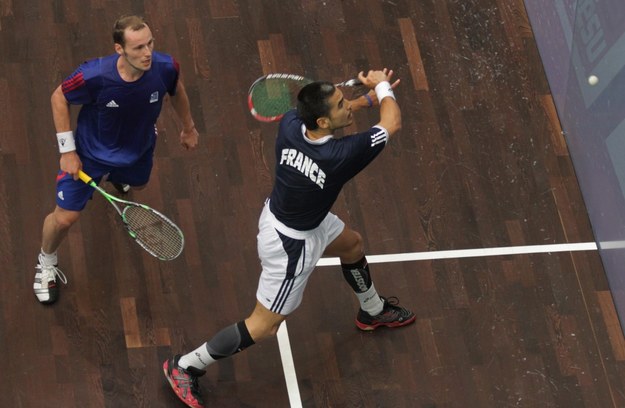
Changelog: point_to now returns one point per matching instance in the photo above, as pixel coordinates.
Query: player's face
(138, 48)
(340, 111)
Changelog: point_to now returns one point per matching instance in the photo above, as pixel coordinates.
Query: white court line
(283, 336)
(288, 366)
(468, 253)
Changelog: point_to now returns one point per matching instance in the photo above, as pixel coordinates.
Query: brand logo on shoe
(60, 195)
(112, 104)
(154, 97)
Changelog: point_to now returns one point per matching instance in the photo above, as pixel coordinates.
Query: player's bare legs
(182, 371)
(55, 228)
(348, 246)
(263, 323)
(374, 310)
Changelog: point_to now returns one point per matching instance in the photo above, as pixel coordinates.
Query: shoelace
(187, 383)
(392, 305)
(50, 272)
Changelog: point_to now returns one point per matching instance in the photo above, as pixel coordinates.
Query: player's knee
(262, 323)
(64, 219)
(357, 246)
(264, 331)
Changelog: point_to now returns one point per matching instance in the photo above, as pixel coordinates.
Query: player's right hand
(70, 163)
(375, 77)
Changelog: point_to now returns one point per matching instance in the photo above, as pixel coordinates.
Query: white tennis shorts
(288, 258)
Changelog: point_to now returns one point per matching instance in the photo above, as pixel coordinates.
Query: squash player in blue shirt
(121, 97)
(296, 226)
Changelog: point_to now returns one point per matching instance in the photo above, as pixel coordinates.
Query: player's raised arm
(379, 81)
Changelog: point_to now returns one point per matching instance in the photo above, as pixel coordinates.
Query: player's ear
(119, 49)
(323, 122)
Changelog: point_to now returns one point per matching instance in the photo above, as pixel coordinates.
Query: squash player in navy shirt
(121, 97)
(296, 226)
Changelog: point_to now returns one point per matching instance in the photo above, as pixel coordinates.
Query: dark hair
(312, 102)
(135, 23)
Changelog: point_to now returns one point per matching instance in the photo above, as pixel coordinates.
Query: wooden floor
(480, 163)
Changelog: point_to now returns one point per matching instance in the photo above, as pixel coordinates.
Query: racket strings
(274, 97)
(157, 234)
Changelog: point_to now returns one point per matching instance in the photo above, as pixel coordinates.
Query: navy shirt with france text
(311, 173)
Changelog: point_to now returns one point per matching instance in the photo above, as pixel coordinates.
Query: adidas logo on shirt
(112, 104)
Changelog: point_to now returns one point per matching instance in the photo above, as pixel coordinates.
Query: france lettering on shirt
(304, 165)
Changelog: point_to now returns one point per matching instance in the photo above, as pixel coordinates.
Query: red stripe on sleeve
(73, 83)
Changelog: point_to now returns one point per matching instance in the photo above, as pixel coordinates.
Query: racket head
(156, 233)
(273, 95)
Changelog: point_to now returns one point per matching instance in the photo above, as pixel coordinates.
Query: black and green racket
(273, 95)
(153, 231)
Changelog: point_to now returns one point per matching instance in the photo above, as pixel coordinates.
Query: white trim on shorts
(276, 291)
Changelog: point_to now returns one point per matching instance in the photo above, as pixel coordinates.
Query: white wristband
(66, 141)
(383, 89)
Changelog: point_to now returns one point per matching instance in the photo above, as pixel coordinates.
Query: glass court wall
(578, 39)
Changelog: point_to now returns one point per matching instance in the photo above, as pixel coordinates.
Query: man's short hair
(312, 102)
(135, 23)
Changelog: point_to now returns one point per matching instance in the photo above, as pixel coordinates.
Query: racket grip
(84, 177)
(350, 82)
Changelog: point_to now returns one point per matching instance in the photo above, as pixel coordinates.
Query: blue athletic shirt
(116, 123)
(311, 173)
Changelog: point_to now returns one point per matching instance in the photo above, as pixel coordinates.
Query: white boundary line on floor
(283, 336)
(469, 253)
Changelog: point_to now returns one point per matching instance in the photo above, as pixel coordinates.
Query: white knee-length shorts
(288, 258)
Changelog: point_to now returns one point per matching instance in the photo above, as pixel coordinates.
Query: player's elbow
(396, 127)
(58, 98)
(393, 126)
(55, 95)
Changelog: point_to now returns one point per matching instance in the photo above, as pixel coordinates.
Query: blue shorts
(73, 195)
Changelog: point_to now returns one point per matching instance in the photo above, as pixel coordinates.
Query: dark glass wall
(578, 39)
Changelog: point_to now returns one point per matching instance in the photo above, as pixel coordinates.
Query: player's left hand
(189, 138)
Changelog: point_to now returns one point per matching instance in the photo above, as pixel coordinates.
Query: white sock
(49, 259)
(198, 358)
(370, 301)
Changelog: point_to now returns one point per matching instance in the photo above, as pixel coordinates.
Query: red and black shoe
(392, 315)
(184, 382)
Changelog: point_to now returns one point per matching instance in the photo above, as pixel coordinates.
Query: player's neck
(127, 71)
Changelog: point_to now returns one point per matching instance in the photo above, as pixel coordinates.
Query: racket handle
(84, 177)
(350, 82)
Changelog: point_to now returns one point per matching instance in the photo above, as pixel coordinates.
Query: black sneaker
(121, 188)
(392, 315)
(45, 282)
(184, 382)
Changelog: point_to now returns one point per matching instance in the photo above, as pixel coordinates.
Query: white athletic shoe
(45, 287)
